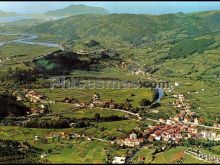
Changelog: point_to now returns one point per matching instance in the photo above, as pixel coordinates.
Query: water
(26, 40)
(14, 18)
(160, 92)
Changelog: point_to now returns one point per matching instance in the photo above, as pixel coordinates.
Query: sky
(133, 7)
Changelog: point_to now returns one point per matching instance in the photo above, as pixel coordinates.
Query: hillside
(161, 41)
(77, 10)
(133, 28)
(60, 62)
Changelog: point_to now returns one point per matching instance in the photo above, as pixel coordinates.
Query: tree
(97, 117)
(145, 102)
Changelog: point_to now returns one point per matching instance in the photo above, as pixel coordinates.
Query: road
(204, 126)
(125, 111)
(157, 121)
(103, 140)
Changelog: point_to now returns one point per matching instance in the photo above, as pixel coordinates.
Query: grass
(80, 152)
(111, 129)
(7, 38)
(167, 156)
(85, 95)
(144, 152)
(21, 134)
(90, 113)
(28, 51)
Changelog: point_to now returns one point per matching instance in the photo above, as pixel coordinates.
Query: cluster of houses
(204, 156)
(119, 160)
(36, 97)
(132, 141)
(180, 102)
(211, 135)
(4, 59)
(171, 132)
(216, 125)
(95, 102)
(82, 52)
(138, 71)
(185, 115)
(63, 135)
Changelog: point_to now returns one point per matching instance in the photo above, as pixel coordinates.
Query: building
(118, 160)
(133, 141)
(35, 96)
(176, 84)
(216, 125)
(43, 156)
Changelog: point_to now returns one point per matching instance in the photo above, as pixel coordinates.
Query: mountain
(133, 28)
(6, 14)
(77, 10)
(160, 42)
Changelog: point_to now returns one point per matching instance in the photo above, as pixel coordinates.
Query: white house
(118, 160)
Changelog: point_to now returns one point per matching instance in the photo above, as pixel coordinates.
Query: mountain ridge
(76, 10)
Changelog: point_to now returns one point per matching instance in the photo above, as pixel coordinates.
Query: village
(172, 130)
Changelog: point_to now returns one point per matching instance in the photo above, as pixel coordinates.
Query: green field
(7, 38)
(85, 95)
(80, 151)
(167, 157)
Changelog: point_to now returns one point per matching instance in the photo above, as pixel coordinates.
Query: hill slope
(77, 10)
(133, 28)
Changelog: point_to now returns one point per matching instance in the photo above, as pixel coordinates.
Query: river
(27, 40)
(14, 18)
(160, 92)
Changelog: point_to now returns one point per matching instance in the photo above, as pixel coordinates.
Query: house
(19, 98)
(176, 118)
(132, 141)
(82, 52)
(141, 158)
(196, 121)
(36, 138)
(35, 96)
(43, 156)
(118, 160)
(158, 135)
(216, 125)
(176, 84)
(192, 129)
(91, 105)
(161, 120)
(35, 111)
(151, 138)
(186, 120)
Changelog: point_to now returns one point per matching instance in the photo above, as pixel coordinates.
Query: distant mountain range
(6, 14)
(77, 10)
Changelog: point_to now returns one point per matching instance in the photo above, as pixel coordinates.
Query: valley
(103, 88)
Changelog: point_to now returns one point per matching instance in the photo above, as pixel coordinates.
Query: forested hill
(132, 27)
(76, 10)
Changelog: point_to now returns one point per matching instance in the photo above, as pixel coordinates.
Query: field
(109, 130)
(7, 38)
(144, 152)
(80, 151)
(167, 157)
(26, 52)
(85, 95)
